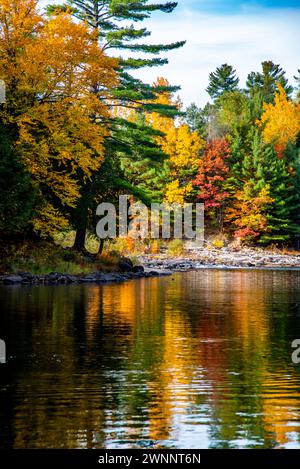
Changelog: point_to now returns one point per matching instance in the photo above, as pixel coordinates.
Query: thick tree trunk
(81, 221)
(79, 243)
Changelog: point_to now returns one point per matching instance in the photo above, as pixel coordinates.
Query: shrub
(218, 243)
(175, 247)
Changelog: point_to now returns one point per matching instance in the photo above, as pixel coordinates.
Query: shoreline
(99, 278)
(224, 258)
(163, 265)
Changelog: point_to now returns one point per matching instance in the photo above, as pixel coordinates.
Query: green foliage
(17, 195)
(261, 168)
(134, 154)
(263, 84)
(197, 119)
(146, 146)
(221, 81)
(233, 114)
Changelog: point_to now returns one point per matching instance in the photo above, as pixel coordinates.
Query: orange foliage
(55, 76)
(248, 214)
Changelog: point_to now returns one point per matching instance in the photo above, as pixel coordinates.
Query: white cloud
(242, 40)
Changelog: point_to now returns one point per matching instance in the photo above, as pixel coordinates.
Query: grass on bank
(42, 258)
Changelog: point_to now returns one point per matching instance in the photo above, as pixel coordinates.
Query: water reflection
(199, 360)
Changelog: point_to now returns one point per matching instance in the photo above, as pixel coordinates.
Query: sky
(240, 33)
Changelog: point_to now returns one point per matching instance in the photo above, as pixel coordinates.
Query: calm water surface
(197, 360)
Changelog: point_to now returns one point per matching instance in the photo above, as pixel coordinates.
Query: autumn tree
(110, 19)
(280, 122)
(213, 170)
(260, 167)
(49, 68)
(248, 216)
(180, 145)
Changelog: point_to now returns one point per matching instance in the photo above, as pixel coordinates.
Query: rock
(72, 278)
(27, 275)
(138, 268)
(124, 265)
(12, 279)
(110, 278)
(127, 260)
(89, 278)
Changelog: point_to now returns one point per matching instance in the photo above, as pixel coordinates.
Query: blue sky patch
(231, 6)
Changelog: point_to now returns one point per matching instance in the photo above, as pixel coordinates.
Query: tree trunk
(101, 246)
(81, 219)
(79, 243)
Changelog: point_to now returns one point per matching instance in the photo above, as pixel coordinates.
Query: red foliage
(246, 232)
(212, 172)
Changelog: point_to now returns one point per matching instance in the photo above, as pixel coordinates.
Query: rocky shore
(125, 270)
(162, 265)
(56, 278)
(224, 258)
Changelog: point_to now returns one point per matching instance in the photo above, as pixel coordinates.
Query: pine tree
(143, 164)
(297, 79)
(197, 119)
(222, 80)
(261, 168)
(264, 83)
(108, 18)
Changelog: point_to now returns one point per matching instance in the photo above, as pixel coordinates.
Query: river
(197, 360)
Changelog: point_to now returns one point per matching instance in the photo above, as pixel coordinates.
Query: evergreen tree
(233, 114)
(222, 80)
(197, 119)
(263, 84)
(108, 18)
(262, 169)
(298, 84)
(17, 195)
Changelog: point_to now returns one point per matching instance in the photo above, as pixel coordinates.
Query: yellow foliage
(176, 194)
(175, 247)
(218, 243)
(280, 121)
(183, 146)
(179, 143)
(56, 78)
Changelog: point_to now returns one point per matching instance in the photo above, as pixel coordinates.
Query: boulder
(12, 279)
(125, 264)
(127, 260)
